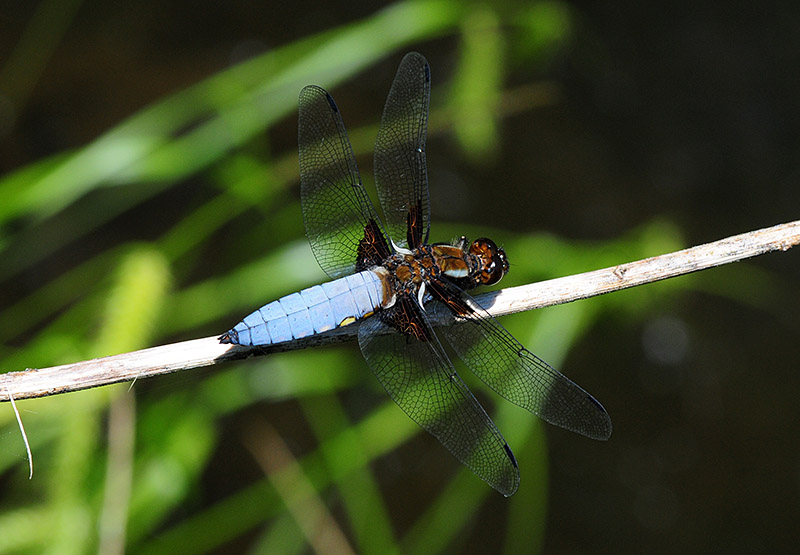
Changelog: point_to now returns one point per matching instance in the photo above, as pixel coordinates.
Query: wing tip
(604, 428)
(315, 91)
(331, 102)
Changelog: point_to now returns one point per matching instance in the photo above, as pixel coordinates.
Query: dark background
(685, 113)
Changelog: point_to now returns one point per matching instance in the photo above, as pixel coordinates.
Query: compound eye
(503, 263)
(494, 264)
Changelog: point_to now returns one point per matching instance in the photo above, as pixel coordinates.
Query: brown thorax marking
(469, 265)
(410, 271)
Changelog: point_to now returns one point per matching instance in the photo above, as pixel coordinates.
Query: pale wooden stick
(204, 352)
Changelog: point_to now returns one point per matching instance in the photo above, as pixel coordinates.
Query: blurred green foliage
(111, 467)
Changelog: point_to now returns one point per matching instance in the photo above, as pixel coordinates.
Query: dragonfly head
(493, 261)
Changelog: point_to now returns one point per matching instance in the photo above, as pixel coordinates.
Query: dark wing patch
(444, 293)
(372, 248)
(415, 225)
(407, 319)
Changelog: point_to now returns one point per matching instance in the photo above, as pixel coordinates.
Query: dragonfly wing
(400, 169)
(512, 371)
(341, 223)
(421, 379)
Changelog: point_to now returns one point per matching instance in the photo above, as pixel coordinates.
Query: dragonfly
(395, 285)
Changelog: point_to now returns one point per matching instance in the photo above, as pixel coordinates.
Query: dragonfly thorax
(466, 264)
(409, 269)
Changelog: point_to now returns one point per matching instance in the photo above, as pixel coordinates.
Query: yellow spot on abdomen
(347, 321)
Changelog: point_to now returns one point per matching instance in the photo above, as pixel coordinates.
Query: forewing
(401, 175)
(420, 378)
(514, 372)
(338, 215)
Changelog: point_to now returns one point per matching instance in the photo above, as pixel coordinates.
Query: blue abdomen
(314, 310)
